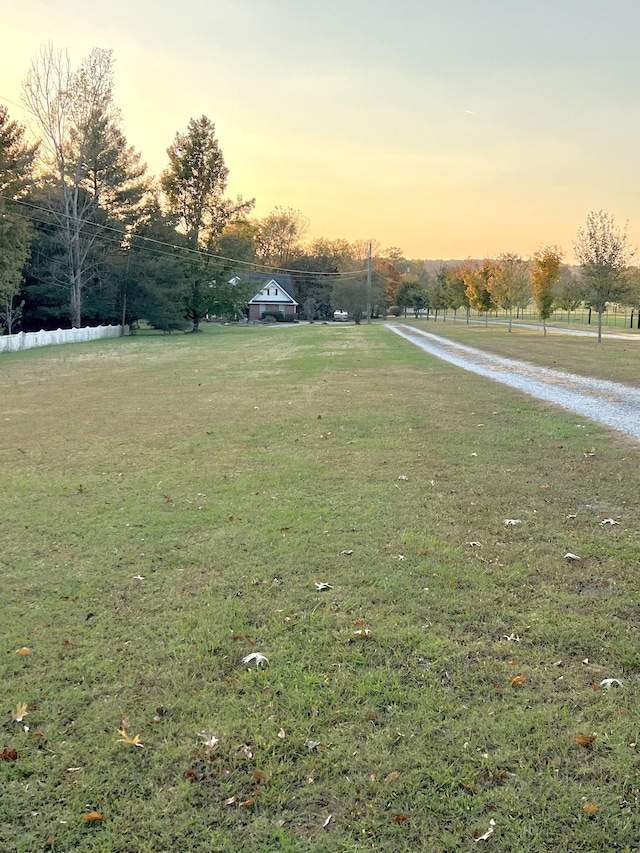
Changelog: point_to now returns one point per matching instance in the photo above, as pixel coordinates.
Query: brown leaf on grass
(20, 712)
(9, 754)
(391, 777)
(259, 776)
(590, 808)
(50, 843)
(126, 738)
(585, 740)
(92, 816)
(24, 651)
(401, 818)
(517, 680)
(67, 643)
(247, 803)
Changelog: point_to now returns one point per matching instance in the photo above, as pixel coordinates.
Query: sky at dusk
(449, 129)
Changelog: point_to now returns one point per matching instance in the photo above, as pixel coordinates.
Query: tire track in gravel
(609, 403)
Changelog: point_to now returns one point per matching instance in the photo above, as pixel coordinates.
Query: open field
(170, 504)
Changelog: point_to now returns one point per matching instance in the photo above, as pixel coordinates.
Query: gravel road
(609, 403)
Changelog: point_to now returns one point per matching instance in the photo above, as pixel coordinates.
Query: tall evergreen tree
(16, 166)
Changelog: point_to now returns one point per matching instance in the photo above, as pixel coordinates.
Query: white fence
(28, 340)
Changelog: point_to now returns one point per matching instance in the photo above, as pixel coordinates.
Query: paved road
(609, 403)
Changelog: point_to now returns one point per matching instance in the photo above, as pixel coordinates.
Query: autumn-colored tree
(477, 285)
(278, 237)
(509, 283)
(544, 269)
(603, 252)
(455, 294)
(389, 278)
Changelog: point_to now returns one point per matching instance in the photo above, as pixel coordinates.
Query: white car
(340, 316)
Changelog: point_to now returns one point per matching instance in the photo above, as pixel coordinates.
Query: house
(274, 297)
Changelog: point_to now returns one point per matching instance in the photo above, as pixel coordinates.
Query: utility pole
(369, 285)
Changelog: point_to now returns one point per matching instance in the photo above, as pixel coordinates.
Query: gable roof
(272, 288)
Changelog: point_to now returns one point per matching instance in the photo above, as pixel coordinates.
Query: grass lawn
(170, 505)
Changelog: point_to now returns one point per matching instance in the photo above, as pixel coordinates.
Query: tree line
(87, 236)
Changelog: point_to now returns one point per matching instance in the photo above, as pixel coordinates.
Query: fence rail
(29, 340)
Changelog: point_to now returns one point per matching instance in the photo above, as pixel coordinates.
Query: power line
(255, 265)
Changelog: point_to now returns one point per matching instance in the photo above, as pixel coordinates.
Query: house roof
(272, 288)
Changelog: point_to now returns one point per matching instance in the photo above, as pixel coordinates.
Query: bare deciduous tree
(68, 105)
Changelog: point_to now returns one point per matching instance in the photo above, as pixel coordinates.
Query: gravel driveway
(608, 403)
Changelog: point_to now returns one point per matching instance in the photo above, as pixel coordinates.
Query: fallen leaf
(391, 777)
(210, 740)
(230, 801)
(401, 818)
(590, 808)
(259, 659)
(50, 843)
(247, 803)
(20, 712)
(126, 738)
(585, 740)
(489, 832)
(261, 777)
(327, 822)
(282, 734)
(92, 816)
(9, 754)
(363, 632)
(25, 650)
(517, 680)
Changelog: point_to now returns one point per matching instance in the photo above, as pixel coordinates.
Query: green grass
(233, 470)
